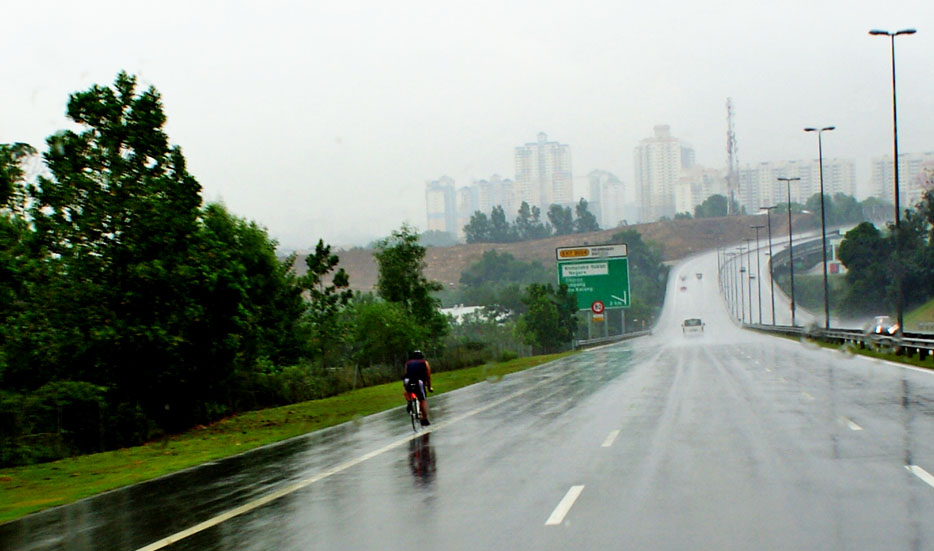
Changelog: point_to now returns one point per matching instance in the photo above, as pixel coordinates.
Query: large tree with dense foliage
(550, 322)
(401, 261)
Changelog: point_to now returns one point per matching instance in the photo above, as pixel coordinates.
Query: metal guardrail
(910, 345)
(589, 343)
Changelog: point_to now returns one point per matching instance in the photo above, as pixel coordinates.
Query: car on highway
(699, 275)
(692, 326)
(881, 330)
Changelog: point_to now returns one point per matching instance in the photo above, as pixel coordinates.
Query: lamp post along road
(742, 292)
(768, 211)
(791, 258)
(758, 272)
(899, 292)
(749, 274)
(823, 218)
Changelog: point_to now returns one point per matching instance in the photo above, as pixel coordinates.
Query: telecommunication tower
(732, 172)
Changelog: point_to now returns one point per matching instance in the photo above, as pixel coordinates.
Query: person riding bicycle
(417, 378)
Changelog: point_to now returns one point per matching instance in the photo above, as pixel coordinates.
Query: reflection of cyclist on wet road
(421, 459)
(417, 378)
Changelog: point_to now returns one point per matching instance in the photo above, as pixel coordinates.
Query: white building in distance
(658, 163)
(915, 176)
(609, 199)
(441, 205)
(543, 174)
(759, 185)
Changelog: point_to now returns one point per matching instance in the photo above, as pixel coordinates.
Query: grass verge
(25, 490)
(916, 361)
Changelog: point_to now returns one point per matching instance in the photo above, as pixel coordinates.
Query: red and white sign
(597, 307)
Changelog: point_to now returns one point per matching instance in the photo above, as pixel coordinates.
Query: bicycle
(413, 407)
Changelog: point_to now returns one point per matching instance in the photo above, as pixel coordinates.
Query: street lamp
(899, 292)
(823, 225)
(768, 211)
(791, 258)
(758, 274)
(749, 274)
(742, 292)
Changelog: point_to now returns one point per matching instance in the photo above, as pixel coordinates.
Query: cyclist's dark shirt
(416, 370)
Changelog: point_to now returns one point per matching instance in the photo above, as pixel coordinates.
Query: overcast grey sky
(326, 119)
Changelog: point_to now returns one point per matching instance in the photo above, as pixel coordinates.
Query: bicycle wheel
(415, 414)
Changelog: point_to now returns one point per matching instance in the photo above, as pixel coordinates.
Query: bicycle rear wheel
(415, 414)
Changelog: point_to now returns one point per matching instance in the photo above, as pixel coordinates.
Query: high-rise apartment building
(543, 174)
(759, 186)
(607, 198)
(496, 192)
(441, 203)
(658, 163)
(915, 176)
(695, 185)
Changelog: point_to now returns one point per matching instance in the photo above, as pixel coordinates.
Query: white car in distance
(692, 326)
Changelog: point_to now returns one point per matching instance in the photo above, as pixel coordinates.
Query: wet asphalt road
(730, 440)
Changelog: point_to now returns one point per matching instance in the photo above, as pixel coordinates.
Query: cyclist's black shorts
(417, 386)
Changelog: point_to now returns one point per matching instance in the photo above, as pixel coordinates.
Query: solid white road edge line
(927, 477)
(610, 438)
(557, 516)
(294, 487)
(808, 395)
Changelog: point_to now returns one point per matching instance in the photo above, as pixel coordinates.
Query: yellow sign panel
(573, 253)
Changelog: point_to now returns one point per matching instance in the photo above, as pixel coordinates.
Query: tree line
(528, 224)
(872, 257)
(130, 309)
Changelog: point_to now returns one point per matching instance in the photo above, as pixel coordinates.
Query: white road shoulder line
(294, 487)
(610, 438)
(925, 476)
(557, 516)
(808, 395)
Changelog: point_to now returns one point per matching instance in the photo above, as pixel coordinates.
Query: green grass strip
(25, 490)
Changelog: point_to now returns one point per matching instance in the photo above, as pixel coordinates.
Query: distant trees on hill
(528, 225)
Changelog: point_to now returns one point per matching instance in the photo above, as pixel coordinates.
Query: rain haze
(325, 120)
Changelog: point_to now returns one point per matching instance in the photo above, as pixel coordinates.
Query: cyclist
(417, 377)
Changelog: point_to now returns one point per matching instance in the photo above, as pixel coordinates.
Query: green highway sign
(598, 274)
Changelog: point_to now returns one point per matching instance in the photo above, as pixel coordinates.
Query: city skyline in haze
(326, 120)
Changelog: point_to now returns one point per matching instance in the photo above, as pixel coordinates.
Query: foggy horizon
(326, 121)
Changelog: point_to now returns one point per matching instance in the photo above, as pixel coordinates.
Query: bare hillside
(679, 238)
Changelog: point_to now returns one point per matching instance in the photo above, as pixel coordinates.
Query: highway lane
(730, 440)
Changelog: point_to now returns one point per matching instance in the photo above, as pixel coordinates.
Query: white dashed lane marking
(557, 516)
(610, 438)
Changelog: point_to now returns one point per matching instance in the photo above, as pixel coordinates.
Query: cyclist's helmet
(416, 355)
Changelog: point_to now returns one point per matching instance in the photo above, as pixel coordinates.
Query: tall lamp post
(742, 292)
(749, 274)
(823, 222)
(899, 292)
(791, 258)
(768, 211)
(758, 273)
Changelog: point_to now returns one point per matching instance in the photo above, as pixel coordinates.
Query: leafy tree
(715, 206)
(682, 215)
(402, 281)
(383, 332)
(12, 190)
(500, 229)
(479, 229)
(529, 225)
(561, 219)
(550, 321)
(585, 221)
(326, 299)
(866, 253)
(495, 279)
